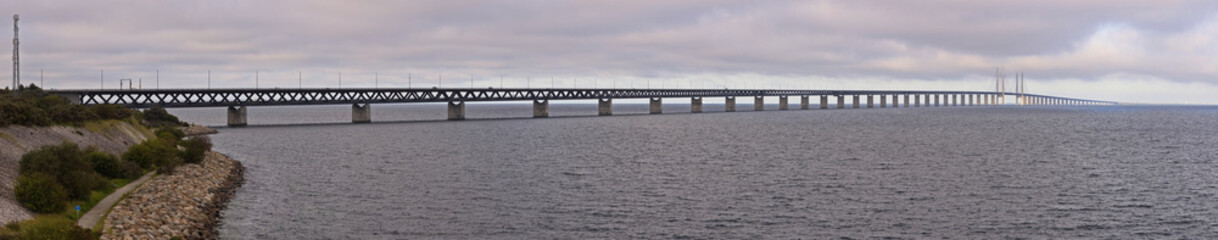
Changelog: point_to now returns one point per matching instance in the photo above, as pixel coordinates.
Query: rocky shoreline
(184, 204)
(195, 130)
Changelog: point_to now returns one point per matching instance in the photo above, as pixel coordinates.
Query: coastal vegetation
(53, 181)
(31, 106)
(52, 177)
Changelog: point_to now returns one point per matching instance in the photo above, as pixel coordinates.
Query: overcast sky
(1160, 51)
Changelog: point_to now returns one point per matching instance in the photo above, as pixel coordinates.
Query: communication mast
(16, 57)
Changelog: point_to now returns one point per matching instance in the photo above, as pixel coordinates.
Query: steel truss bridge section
(273, 97)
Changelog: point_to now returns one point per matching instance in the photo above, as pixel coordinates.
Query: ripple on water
(973, 173)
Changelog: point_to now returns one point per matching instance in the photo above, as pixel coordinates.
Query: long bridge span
(360, 98)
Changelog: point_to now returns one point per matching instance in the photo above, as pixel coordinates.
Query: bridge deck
(280, 96)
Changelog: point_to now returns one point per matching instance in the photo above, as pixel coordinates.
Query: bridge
(361, 98)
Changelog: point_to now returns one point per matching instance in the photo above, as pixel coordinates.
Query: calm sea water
(959, 172)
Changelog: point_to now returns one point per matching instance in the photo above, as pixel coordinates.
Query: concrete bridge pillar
(604, 107)
(758, 103)
(841, 101)
(917, 100)
(907, 100)
(657, 105)
(361, 114)
(937, 96)
(456, 110)
(782, 103)
(729, 104)
(824, 102)
(856, 101)
(869, 104)
(883, 101)
(541, 108)
(695, 104)
(236, 116)
(894, 100)
(803, 102)
(972, 100)
(955, 99)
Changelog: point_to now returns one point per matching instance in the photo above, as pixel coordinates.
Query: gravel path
(98, 211)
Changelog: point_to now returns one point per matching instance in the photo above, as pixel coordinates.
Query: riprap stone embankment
(184, 204)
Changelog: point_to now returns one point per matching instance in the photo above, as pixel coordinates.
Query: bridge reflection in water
(360, 98)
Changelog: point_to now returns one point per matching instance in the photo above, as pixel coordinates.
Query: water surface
(959, 172)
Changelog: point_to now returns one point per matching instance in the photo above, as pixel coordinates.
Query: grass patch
(10, 138)
(100, 126)
(46, 226)
(140, 128)
(69, 214)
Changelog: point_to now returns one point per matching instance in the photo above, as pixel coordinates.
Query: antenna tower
(16, 57)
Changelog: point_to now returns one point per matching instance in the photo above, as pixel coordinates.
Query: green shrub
(195, 148)
(169, 165)
(66, 163)
(105, 164)
(68, 113)
(154, 154)
(55, 160)
(158, 117)
(145, 154)
(167, 139)
(131, 170)
(40, 192)
(34, 107)
(55, 228)
(81, 183)
(169, 135)
(110, 111)
(23, 113)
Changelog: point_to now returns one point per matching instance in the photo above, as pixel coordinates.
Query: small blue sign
(77, 208)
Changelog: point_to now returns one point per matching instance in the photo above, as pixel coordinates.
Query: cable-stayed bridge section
(238, 99)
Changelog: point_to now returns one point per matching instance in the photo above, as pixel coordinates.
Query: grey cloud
(931, 40)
